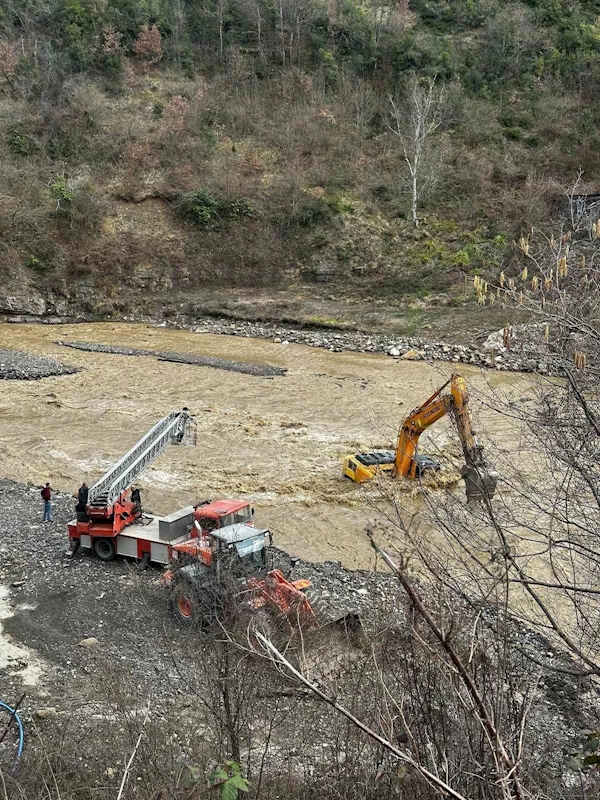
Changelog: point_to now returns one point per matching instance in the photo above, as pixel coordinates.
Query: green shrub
(38, 265)
(337, 204)
(61, 191)
(515, 134)
(312, 211)
(512, 119)
(20, 143)
(208, 137)
(208, 211)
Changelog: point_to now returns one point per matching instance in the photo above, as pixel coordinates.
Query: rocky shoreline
(21, 366)
(405, 348)
(528, 356)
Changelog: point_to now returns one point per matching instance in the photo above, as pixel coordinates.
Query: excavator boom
(413, 426)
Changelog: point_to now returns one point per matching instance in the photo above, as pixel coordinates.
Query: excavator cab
(363, 467)
(423, 463)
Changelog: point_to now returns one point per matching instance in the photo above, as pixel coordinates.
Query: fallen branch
(400, 754)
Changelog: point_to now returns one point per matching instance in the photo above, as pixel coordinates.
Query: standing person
(137, 499)
(47, 498)
(82, 497)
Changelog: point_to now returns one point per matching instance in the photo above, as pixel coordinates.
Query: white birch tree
(414, 123)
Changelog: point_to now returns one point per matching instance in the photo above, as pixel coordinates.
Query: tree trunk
(230, 722)
(415, 218)
(282, 32)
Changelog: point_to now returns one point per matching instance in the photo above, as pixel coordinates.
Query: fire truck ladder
(174, 428)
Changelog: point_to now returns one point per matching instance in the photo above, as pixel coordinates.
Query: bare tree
(414, 122)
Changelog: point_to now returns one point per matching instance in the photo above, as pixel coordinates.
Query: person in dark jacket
(82, 500)
(82, 497)
(136, 498)
(47, 498)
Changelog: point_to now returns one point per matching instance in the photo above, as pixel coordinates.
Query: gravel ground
(259, 370)
(18, 365)
(58, 601)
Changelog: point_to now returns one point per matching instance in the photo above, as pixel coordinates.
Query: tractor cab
(238, 549)
(242, 549)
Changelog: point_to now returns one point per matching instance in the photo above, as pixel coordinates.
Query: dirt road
(276, 441)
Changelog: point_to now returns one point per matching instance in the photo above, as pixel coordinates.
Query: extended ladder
(172, 429)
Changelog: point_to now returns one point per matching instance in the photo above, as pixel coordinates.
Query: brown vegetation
(244, 106)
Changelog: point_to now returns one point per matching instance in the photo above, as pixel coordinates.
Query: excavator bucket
(480, 482)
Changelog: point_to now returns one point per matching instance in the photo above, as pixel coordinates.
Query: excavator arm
(420, 419)
(480, 481)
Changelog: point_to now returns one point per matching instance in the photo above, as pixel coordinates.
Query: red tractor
(228, 567)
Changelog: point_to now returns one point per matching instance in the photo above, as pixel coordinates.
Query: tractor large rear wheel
(186, 605)
(321, 614)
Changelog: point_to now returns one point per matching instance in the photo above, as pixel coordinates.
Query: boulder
(44, 713)
(413, 355)
(32, 303)
(495, 341)
(90, 642)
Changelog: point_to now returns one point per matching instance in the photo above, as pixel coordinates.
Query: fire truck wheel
(185, 604)
(105, 549)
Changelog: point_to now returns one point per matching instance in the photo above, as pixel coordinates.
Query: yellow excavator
(480, 480)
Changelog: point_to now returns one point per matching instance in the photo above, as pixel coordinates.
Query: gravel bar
(526, 355)
(247, 368)
(21, 366)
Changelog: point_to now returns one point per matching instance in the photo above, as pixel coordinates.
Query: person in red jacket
(47, 498)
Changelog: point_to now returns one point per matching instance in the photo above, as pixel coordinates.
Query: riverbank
(529, 357)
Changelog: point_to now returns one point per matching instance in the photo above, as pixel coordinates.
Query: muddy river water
(275, 441)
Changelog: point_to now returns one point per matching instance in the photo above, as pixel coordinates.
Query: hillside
(240, 155)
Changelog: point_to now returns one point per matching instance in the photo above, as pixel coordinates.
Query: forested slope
(152, 151)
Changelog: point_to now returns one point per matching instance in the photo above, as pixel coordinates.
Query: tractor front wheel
(253, 621)
(105, 549)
